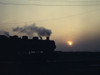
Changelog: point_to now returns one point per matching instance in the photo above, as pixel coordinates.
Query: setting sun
(70, 43)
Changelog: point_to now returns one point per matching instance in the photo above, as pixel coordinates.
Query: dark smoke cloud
(4, 33)
(32, 30)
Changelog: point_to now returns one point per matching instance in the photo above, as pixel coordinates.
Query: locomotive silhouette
(15, 45)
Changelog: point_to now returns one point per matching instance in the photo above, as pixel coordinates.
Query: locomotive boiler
(14, 45)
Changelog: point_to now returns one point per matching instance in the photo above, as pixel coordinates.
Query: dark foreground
(59, 63)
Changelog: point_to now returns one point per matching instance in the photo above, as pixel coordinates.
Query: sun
(70, 43)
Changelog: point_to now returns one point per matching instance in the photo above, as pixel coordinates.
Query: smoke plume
(32, 30)
(4, 33)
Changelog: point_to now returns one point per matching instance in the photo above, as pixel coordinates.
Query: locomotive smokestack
(25, 37)
(47, 38)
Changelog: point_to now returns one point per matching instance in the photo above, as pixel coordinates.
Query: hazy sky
(75, 20)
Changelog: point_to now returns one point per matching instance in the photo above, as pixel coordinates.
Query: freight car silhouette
(14, 45)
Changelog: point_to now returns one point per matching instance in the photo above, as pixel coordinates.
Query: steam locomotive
(15, 45)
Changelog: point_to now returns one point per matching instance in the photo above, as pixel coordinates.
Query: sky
(69, 20)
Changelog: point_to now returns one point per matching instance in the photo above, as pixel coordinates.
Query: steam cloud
(33, 29)
(4, 33)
